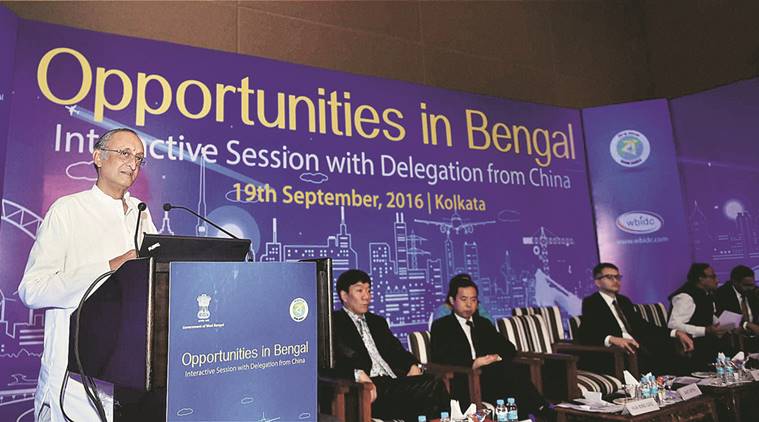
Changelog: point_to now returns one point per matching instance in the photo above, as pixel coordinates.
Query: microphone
(168, 207)
(140, 208)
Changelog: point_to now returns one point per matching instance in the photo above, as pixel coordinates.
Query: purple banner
(8, 24)
(411, 183)
(716, 140)
(636, 195)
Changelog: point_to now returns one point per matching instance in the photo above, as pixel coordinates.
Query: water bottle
(512, 414)
(645, 392)
(444, 417)
(729, 371)
(501, 412)
(421, 418)
(653, 387)
(720, 367)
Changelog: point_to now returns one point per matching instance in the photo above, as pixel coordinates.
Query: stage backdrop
(411, 183)
(716, 135)
(637, 196)
(7, 48)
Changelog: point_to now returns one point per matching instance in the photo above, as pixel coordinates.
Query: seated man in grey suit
(367, 351)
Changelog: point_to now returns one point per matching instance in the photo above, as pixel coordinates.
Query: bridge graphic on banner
(21, 217)
(20, 339)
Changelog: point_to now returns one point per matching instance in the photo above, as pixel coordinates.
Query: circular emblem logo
(629, 148)
(298, 309)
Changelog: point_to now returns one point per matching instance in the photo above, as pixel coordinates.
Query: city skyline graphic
(735, 241)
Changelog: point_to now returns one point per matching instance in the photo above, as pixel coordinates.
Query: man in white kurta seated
(82, 236)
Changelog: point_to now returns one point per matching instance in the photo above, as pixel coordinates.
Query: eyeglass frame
(610, 277)
(126, 156)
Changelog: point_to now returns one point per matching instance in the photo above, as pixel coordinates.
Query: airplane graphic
(455, 224)
(72, 110)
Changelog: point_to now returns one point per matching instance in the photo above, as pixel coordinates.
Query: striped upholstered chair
(610, 360)
(552, 316)
(562, 380)
(419, 344)
(654, 313)
(574, 326)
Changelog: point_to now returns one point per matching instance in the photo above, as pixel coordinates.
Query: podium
(125, 324)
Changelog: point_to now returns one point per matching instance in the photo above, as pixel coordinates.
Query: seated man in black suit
(367, 351)
(739, 295)
(610, 319)
(464, 338)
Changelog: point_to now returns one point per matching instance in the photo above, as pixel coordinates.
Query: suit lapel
(355, 336)
(606, 310)
(462, 339)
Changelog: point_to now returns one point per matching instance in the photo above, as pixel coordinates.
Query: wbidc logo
(629, 148)
(639, 222)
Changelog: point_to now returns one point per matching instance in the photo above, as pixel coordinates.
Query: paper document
(730, 319)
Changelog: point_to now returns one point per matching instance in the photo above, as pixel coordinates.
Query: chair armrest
(446, 372)
(576, 347)
(558, 374)
(621, 359)
(534, 367)
(349, 400)
(549, 356)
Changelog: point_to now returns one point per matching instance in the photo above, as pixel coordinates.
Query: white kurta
(77, 238)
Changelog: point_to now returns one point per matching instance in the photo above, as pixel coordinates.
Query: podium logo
(639, 222)
(203, 301)
(629, 148)
(298, 309)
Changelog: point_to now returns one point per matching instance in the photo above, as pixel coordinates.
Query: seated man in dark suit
(610, 319)
(739, 295)
(367, 351)
(464, 338)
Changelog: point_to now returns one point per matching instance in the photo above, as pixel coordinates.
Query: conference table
(699, 409)
(738, 402)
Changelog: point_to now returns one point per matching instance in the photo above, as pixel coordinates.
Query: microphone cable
(88, 383)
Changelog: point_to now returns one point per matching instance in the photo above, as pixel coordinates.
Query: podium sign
(242, 342)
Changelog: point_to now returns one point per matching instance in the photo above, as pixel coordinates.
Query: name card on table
(755, 374)
(689, 391)
(639, 407)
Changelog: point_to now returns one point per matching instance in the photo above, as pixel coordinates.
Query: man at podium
(82, 236)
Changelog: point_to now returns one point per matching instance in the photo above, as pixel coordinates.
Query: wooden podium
(123, 328)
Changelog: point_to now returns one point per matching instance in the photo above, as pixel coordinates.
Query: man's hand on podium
(118, 261)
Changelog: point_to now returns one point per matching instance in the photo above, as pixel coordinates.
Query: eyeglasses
(127, 156)
(610, 277)
(711, 276)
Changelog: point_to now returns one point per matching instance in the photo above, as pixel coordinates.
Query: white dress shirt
(609, 299)
(468, 331)
(683, 308)
(78, 236)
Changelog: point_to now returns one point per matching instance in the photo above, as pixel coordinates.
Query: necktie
(474, 336)
(744, 309)
(622, 316)
(379, 366)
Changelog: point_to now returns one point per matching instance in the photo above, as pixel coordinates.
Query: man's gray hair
(102, 141)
